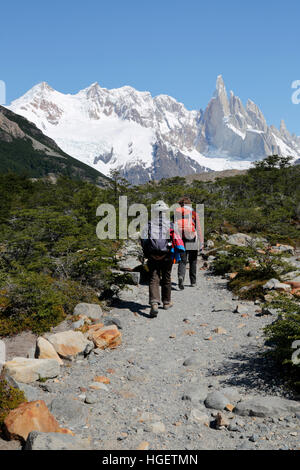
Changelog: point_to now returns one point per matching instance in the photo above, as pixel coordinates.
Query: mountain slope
(24, 149)
(151, 138)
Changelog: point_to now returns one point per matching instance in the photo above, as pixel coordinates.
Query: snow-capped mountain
(151, 138)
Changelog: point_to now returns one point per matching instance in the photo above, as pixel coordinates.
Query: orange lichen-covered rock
(101, 379)
(105, 336)
(296, 292)
(232, 275)
(32, 416)
(293, 284)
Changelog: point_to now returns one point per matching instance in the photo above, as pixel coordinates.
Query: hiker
(162, 247)
(188, 226)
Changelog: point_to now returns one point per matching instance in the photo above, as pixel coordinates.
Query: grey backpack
(158, 241)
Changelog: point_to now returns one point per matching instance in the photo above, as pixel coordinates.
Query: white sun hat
(160, 206)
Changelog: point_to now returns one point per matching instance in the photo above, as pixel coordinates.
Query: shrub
(38, 302)
(235, 259)
(282, 333)
(10, 398)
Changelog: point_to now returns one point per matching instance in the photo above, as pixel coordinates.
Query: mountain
(152, 138)
(24, 149)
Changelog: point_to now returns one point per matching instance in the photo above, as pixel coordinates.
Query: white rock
(45, 350)
(93, 311)
(239, 239)
(68, 344)
(276, 285)
(26, 370)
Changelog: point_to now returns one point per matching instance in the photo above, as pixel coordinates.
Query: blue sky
(177, 47)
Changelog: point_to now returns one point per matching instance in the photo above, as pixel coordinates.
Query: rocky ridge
(149, 137)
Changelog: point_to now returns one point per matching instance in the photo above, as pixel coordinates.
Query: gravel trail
(153, 397)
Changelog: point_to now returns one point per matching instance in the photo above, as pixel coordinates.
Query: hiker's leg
(193, 254)
(166, 281)
(182, 266)
(154, 281)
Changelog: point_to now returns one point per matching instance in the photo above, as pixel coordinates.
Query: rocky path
(172, 375)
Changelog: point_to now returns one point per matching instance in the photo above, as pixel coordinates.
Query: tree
(118, 184)
(272, 162)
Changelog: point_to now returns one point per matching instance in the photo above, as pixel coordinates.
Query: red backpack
(186, 223)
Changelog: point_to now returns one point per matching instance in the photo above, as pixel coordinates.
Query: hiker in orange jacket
(188, 225)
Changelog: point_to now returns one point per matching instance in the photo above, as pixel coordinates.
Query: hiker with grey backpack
(162, 246)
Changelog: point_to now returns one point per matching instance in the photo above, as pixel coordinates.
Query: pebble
(216, 400)
(91, 398)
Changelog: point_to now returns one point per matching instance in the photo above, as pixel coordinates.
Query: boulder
(68, 344)
(133, 278)
(216, 400)
(130, 263)
(105, 336)
(291, 276)
(276, 285)
(31, 416)
(68, 411)
(31, 393)
(294, 284)
(239, 239)
(296, 292)
(45, 350)
(284, 248)
(267, 407)
(27, 370)
(93, 311)
(55, 441)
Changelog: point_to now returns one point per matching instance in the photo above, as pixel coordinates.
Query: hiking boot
(154, 310)
(180, 283)
(168, 305)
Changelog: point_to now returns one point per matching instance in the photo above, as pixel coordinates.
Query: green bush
(234, 260)
(282, 333)
(10, 398)
(32, 301)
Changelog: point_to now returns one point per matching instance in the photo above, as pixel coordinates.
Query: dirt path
(152, 396)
